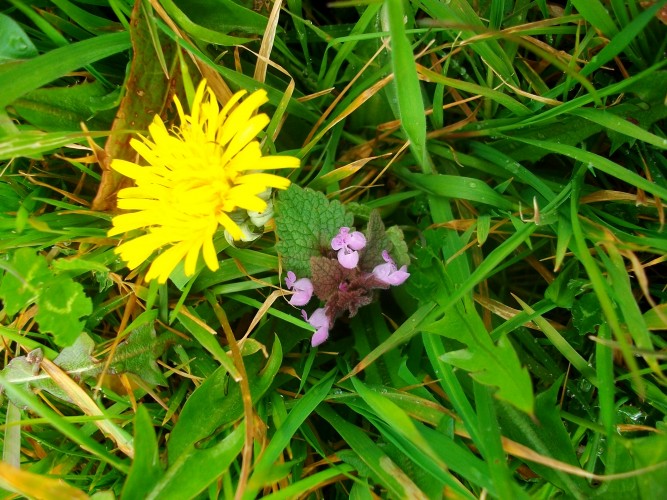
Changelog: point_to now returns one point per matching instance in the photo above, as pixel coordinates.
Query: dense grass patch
(509, 153)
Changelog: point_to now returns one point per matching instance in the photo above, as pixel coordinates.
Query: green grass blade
(390, 476)
(616, 123)
(410, 104)
(472, 88)
(146, 468)
(458, 187)
(34, 73)
(301, 410)
(601, 163)
(596, 14)
(401, 423)
(207, 338)
(196, 468)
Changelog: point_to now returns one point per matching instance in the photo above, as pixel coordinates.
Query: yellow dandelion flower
(196, 175)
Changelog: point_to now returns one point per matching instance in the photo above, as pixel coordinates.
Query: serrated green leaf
(586, 313)
(376, 241)
(496, 366)
(25, 371)
(78, 360)
(138, 354)
(62, 304)
(493, 365)
(27, 273)
(399, 248)
(560, 291)
(305, 223)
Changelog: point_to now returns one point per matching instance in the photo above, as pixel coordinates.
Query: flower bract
(195, 176)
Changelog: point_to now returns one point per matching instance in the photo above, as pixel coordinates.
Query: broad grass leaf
(196, 468)
(224, 16)
(65, 108)
(380, 466)
(408, 88)
(146, 469)
(595, 13)
(454, 186)
(580, 123)
(45, 68)
(303, 408)
(409, 432)
(33, 144)
(546, 435)
(649, 452)
(219, 398)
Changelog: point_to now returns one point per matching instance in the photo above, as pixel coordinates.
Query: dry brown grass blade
(267, 42)
(262, 310)
(501, 310)
(520, 451)
(289, 90)
(66, 194)
(345, 171)
(246, 397)
(127, 314)
(37, 486)
(213, 78)
(352, 106)
(610, 195)
(88, 406)
(657, 201)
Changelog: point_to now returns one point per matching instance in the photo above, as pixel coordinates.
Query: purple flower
(303, 289)
(387, 273)
(320, 321)
(347, 245)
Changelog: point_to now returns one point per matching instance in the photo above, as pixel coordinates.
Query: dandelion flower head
(195, 176)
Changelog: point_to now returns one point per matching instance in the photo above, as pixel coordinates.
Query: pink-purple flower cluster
(344, 283)
(348, 245)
